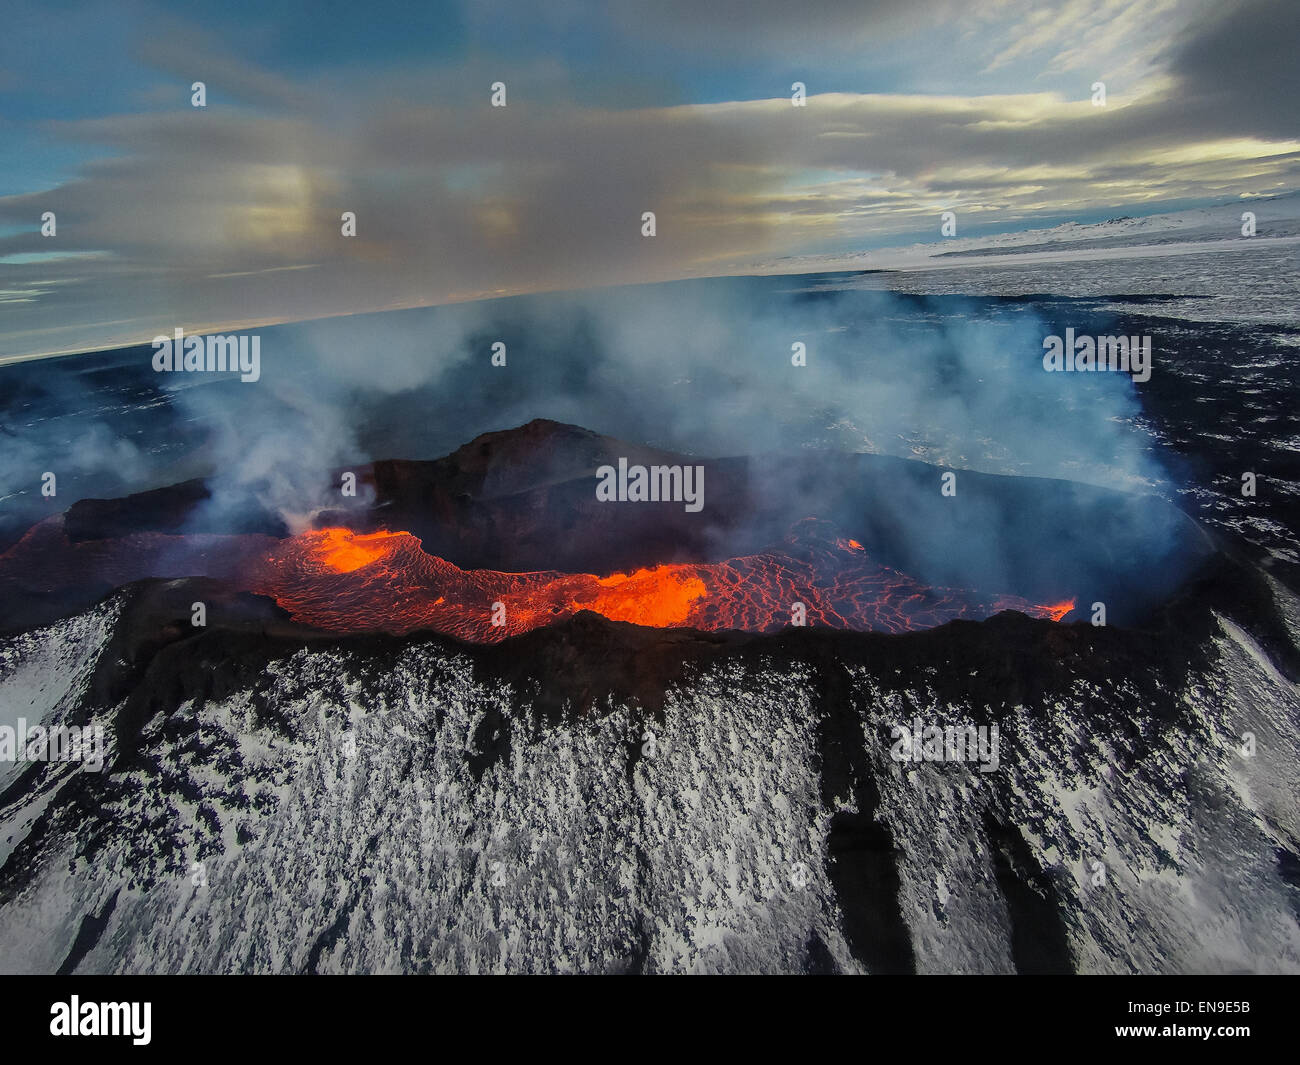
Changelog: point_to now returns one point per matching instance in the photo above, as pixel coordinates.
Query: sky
(229, 215)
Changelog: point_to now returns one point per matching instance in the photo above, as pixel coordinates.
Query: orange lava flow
(338, 580)
(662, 596)
(344, 551)
(1056, 611)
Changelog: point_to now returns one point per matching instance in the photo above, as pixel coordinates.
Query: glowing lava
(340, 580)
(344, 551)
(1056, 611)
(661, 597)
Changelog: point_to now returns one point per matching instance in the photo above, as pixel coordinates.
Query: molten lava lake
(339, 580)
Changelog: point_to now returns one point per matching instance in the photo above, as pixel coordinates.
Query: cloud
(212, 216)
(190, 54)
(777, 26)
(1237, 66)
(1115, 37)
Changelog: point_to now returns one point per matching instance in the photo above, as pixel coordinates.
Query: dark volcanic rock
(173, 509)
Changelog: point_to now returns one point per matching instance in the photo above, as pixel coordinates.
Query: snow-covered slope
(1192, 231)
(278, 804)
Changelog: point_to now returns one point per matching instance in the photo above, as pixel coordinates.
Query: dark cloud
(1239, 67)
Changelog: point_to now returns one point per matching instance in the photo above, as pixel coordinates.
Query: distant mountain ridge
(1277, 220)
